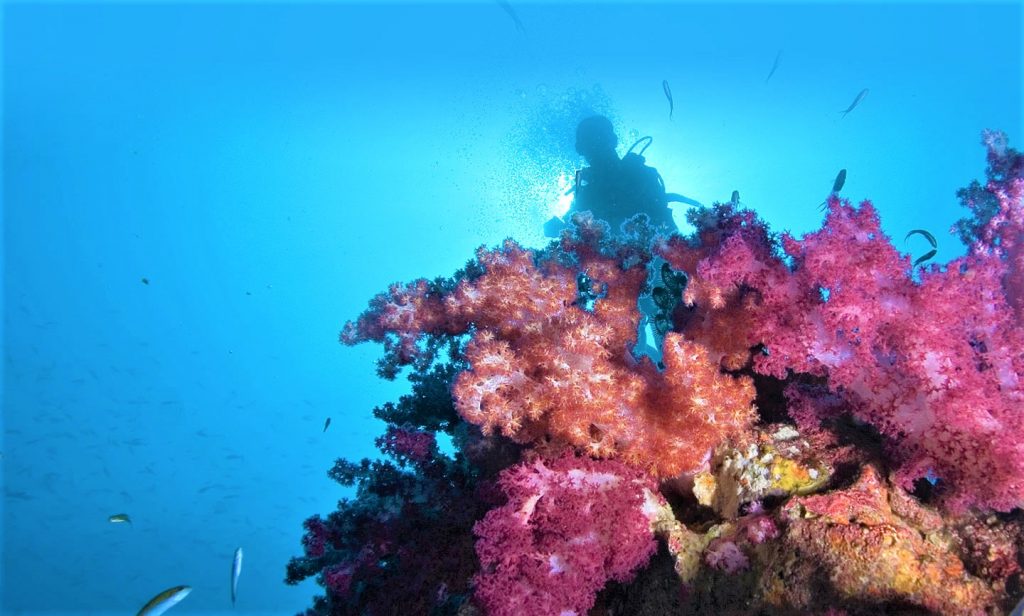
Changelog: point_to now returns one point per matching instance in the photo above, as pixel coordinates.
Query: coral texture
(825, 428)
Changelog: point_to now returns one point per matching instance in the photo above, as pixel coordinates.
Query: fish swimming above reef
(840, 181)
(775, 65)
(512, 13)
(837, 185)
(236, 571)
(164, 601)
(856, 101)
(668, 95)
(931, 240)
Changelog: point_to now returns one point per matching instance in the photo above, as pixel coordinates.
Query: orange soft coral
(544, 366)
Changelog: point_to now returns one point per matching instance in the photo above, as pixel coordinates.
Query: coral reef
(830, 429)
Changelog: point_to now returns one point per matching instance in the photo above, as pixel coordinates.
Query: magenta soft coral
(933, 365)
(570, 525)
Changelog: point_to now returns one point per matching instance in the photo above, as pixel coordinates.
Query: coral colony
(827, 429)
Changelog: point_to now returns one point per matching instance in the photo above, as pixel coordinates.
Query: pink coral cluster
(318, 536)
(407, 444)
(570, 447)
(569, 526)
(933, 365)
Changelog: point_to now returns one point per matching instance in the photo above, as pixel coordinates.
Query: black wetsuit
(629, 189)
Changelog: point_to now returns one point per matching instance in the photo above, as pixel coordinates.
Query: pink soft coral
(570, 526)
(932, 365)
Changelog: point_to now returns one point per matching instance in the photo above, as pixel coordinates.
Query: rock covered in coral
(830, 432)
(770, 464)
(851, 545)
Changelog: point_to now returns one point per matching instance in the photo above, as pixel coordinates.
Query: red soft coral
(570, 526)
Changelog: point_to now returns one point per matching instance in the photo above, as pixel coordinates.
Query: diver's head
(595, 139)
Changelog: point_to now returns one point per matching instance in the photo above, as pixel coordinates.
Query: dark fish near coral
(668, 95)
(837, 185)
(735, 200)
(840, 181)
(855, 102)
(512, 13)
(931, 240)
(775, 65)
(327, 424)
(928, 236)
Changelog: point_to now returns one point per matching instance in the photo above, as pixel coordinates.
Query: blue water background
(269, 168)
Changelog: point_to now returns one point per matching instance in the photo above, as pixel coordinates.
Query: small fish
(928, 236)
(840, 181)
(164, 601)
(735, 197)
(120, 518)
(668, 95)
(512, 13)
(925, 257)
(775, 65)
(145, 280)
(931, 240)
(837, 185)
(236, 570)
(855, 102)
(327, 424)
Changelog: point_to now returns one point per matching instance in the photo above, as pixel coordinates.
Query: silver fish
(164, 601)
(775, 65)
(236, 570)
(855, 102)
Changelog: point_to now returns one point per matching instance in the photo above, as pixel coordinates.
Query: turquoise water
(196, 198)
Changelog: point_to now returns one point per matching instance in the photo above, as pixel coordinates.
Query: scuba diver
(615, 189)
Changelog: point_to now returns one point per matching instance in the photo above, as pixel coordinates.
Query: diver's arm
(677, 198)
(553, 228)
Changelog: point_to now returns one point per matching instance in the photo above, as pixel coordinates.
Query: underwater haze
(197, 197)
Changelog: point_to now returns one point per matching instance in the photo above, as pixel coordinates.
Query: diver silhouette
(615, 189)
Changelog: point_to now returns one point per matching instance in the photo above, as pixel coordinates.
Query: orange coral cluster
(543, 367)
(546, 367)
